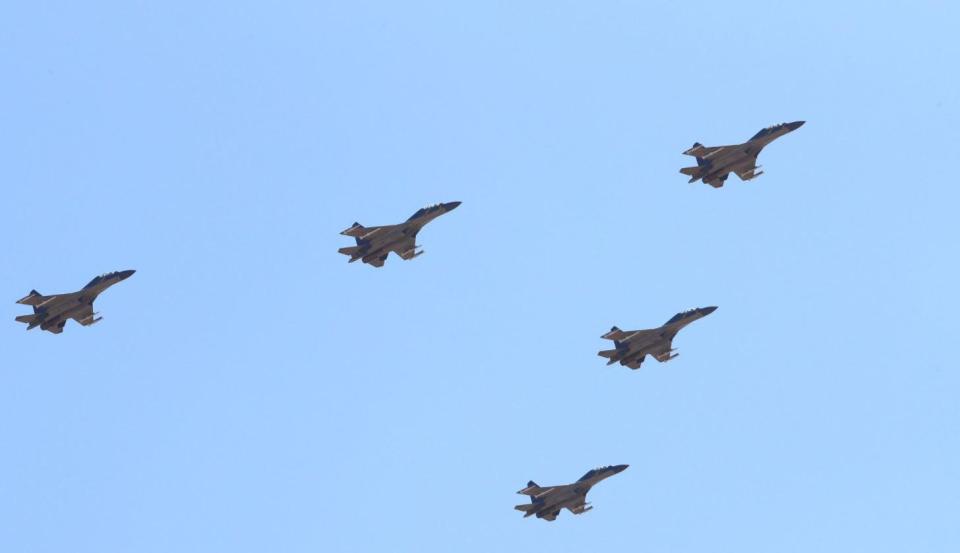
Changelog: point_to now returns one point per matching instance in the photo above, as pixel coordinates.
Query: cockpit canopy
(423, 211)
(590, 474)
(101, 278)
(682, 315)
(768, 130)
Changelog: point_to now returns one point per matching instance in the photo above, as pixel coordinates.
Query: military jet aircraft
(51, 312)
(374, 244)
(546, 502)
(714, 164)
(633, 346)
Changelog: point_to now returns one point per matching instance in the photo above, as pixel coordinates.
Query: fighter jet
(715, 164)
(51, 312)
(374, 244)
(546, 502)
(633, 346)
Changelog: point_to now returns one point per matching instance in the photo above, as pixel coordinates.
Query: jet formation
(374, 244)
(547, 501)
(715, 163)
(632, 346)
(51, 313)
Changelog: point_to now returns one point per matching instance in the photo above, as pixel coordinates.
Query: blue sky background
(250, 391)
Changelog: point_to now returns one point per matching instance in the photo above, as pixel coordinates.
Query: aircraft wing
(378, 261)
(666, 353)
(406, 248)
(365, 234)
(621, 335)
(533, 490)
(717, 182)
(86, 317)
(35, 299)
(581, 507)
(705, 152)
(750, 171)
(616, 334)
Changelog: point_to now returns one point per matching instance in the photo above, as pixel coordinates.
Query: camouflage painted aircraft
(633, 346)
(51, 312)
(714, 164)
(546, 502)
(374, 244)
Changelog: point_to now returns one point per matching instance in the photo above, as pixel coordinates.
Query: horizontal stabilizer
(693, 172)
(28, 319)
(529, 509)
(352, 251)
(610, 354)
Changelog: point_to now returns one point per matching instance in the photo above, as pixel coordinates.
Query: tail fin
(616, 329)
(700, 161)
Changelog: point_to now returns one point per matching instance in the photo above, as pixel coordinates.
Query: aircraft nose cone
(796, 125)
(450, 206)
(620, 468)
(708, 310)
(124, 275)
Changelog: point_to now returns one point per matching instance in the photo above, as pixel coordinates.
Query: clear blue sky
(249, 391)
